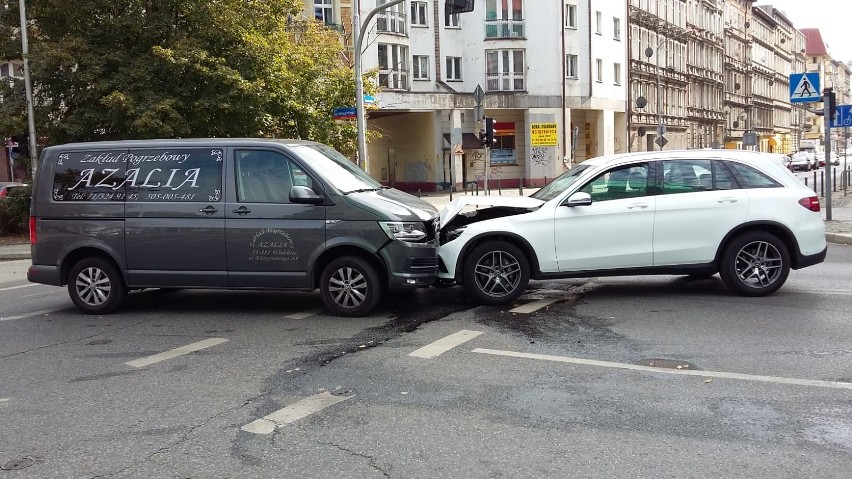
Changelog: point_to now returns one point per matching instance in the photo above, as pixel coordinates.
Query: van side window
(175, 175)
(267, 176)
(90, 175)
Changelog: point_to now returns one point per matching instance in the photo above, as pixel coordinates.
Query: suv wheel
(755, 264)
(496, 272)
(350, 286)
(95, 286)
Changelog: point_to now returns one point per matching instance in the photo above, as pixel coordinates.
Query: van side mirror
(579, 199)
(305, 196)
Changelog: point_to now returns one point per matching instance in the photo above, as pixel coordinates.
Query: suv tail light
(811, 203)
(32, 230)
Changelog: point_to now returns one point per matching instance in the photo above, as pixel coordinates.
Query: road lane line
(306, 313)
(173, 353)
(29, 315)
(445, 344)
(18, 287)
(636, 367)
(535, 305)
(293, 412)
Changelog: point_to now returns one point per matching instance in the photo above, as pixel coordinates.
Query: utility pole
(828, 110)
(25, 49)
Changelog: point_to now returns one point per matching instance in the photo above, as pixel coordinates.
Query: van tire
(95, 286)
(496, 284)
(350, 286)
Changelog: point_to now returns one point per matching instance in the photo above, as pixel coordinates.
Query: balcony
(504, 29)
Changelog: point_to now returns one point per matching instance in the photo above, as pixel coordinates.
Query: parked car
(835, 159)
(109, 217)
(7, 186)
(697, 212)
(802, 161)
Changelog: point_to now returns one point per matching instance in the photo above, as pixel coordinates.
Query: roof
(697, 154)
(814, 45)
(170, 143)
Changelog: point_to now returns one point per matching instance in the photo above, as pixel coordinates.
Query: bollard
(806, 181)
(499, 191)
(418, 192)
(833, 180)
(821, 183)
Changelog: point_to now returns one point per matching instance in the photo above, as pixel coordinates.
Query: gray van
(110, 217)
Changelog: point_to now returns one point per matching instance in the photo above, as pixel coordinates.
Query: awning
(469, 141)
(774, 140)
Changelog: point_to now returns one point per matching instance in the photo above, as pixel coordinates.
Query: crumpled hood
(454, 207)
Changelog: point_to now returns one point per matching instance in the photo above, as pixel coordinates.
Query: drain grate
(18, 464)
(668, 364)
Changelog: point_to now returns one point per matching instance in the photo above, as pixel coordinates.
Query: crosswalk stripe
(173, 353)
(29, 315)
(306, 313)
(293, 412)
(444, 344)
(18, 287)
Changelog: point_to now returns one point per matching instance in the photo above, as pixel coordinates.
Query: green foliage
(15, 211)
(128, 69)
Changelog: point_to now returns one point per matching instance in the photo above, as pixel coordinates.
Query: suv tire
(755, 263)
(496, 272)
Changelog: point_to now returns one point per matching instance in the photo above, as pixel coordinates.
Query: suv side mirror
(304, 196)
(579, 199)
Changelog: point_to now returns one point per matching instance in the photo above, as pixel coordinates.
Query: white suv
(696, 212)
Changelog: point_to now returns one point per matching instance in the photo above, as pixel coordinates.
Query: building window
(323, 11)
(452, 21)
(599, 70)
(418, 14)
(616, 72)
(392, 19)
(421, 67)
(571, 66)
(598, 23)
(393, 66)
(504, 70)
(616, 28)
(454, 68)
(504, 19)
(570, 16)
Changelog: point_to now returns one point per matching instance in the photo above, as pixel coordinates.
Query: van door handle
(242, 210)
(209, 210)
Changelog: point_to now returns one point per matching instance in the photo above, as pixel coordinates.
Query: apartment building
(705, 53)
(553, 74)
(737, 70)
(765, 84)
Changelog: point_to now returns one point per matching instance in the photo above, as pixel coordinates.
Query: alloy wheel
(497, 274)
(759, 264)
(93, 286)
(348, 287)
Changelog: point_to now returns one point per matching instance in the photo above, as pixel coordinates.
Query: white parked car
(697, 212)
(802, 161)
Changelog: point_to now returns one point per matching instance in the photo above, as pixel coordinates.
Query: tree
(123, 69)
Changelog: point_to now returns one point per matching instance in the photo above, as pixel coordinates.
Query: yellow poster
(543, 134)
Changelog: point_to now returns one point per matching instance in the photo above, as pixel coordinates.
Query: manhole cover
(100, 341)
(18, 464)
(668, 363)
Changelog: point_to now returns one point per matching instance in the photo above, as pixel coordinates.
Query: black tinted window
(90, 176)
(752, 178)
(179, 175)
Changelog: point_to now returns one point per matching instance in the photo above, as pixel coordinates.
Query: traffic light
(486, 134)
(832, 103)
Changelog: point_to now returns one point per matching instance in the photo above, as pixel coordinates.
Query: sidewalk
(838, 230)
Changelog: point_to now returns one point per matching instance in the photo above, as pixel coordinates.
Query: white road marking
(29, 315)
(2, 400)
(445, 344)
(306, 313)
(17, 287)
(636, 367)
(173, 353)
(535, 305)
(293, 412)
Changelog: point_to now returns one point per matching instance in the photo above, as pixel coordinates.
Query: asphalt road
(228, 384)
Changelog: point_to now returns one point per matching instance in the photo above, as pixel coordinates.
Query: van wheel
(350, 286)
(95, 286)
(496, 272)
(755, 264)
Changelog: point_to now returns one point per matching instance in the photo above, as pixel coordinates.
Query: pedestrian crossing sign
(804, 87)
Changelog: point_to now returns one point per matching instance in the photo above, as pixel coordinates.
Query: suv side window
(267, 176)
(752, 178)
(688, 176)
(627, 181)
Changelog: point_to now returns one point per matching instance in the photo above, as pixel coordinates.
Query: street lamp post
(25, 51)
(359, 31)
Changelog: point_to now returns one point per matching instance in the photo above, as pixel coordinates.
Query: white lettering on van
(108, 172)
(131, 177)
(171, 177)
(85, 178)
(148, 179)
(191, 178)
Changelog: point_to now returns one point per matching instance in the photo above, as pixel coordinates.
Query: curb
(838, 238)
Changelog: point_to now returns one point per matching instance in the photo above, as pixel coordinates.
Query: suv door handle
(727, 199)
(638, 205)
(242, 210)
(209, 210)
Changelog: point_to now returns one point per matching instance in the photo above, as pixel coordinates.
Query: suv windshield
(560, 184)
(347, 176)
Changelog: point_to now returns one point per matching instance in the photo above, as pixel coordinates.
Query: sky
(830, 16)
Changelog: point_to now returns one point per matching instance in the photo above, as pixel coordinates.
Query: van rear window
(162, 175)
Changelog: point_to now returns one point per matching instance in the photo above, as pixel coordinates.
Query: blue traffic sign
(344, 113)
(804, 87)
(842, 117)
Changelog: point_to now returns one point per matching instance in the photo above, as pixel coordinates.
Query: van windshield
(339, 170)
